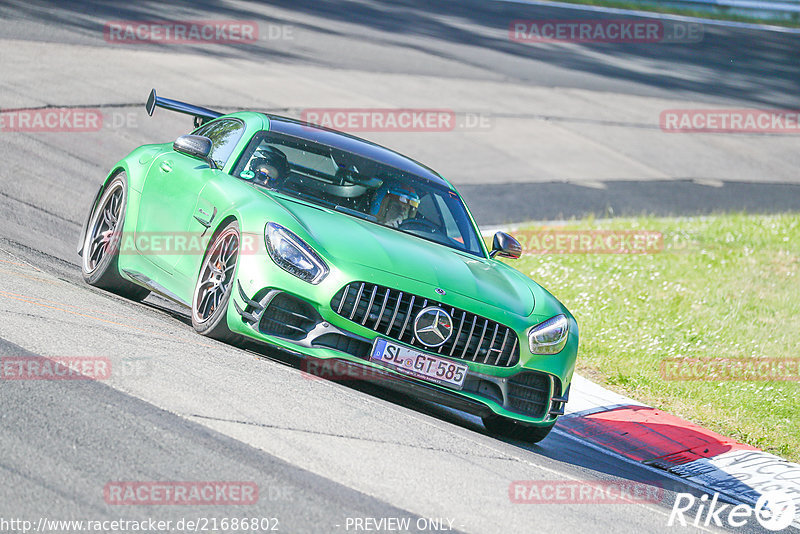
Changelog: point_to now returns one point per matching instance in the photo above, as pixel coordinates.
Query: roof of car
(350, 143)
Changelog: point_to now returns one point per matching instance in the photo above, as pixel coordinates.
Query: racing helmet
(270, 166)
(394, 203)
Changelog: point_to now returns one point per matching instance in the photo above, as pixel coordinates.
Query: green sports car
(337, 250)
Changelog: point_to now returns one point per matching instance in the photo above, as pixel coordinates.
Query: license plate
(418, 364)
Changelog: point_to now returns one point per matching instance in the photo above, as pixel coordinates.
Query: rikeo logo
(773, 511)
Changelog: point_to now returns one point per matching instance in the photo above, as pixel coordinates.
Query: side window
(224, 135)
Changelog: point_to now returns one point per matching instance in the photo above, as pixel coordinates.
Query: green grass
(719, 13)
(724, 286)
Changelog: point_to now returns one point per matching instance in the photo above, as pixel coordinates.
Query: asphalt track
(574, 127)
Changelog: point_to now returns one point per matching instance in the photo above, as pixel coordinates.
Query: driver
(394, 203)
(271, 167)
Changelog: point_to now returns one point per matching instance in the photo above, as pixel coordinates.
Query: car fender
(136, 166)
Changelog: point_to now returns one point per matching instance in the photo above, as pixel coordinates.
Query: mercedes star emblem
(433, 326)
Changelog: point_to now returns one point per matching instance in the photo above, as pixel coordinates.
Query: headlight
(293, 255)
(550, 336)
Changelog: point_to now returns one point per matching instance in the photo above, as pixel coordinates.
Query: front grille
(529, 393)
(288, 317)
(391, 313)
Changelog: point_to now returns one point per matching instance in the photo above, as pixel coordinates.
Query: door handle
(166, 166)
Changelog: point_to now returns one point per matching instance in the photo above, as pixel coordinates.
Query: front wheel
(215, 285)
(101, 243)
(503, 426)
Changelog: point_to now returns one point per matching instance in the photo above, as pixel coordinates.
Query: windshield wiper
(329, 204)
(309, 198)
(356, 213)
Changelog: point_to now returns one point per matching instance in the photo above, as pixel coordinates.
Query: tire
(214, 286)
(100, 252)
(503, 426)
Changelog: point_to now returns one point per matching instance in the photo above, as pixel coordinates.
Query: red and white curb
(705, 459)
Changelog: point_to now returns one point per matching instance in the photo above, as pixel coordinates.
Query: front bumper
(304, 322)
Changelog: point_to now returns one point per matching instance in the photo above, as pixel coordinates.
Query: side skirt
(155, 287)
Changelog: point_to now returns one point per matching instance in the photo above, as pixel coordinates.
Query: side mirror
(195, 146)
(506, 246)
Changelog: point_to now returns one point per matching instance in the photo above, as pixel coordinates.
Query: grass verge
(724, 286)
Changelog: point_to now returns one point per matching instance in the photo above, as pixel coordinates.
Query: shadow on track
(729, 63)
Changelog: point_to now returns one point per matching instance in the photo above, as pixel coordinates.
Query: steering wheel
(420, 224)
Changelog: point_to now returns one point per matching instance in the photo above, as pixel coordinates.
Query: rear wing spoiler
(201, 115)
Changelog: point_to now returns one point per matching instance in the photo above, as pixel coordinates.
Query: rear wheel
(215, 285)
(503, 426)
(101, 242)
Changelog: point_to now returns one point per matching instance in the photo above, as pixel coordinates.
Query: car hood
(347, 239)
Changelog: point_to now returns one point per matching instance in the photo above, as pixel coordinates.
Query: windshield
(359, 187)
